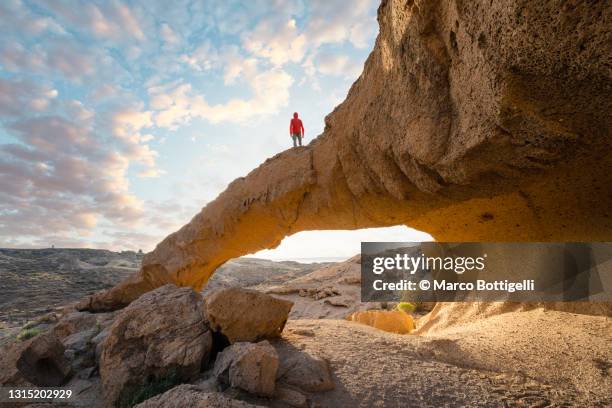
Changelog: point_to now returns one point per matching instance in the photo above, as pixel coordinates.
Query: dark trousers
(297, 138)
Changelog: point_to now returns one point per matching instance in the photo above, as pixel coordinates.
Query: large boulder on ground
(306, 371)
(246, 315)
(192, 397)
(393, 321)
(39, 361)
(248, 366)
(162, 334)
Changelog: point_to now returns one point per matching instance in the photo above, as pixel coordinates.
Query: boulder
(98, 341)
(162, 334)
(39, 361)
(80, 348)
(193, 397)
(248, 366)
(246, 315)
(303, 370)
(290, 397)
(393, 321)
(74, 322)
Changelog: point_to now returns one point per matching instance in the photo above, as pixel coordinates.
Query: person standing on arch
(296, 130)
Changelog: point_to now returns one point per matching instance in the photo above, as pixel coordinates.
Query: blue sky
(119, 120)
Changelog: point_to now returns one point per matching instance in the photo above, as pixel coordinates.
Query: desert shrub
(407, 307)
(29, 325)
(29, 333)
(48, 318)
(150, 389)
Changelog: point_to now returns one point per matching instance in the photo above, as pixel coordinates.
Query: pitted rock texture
(162, 334)
(472, 120)
(246, 315)
(39, 361)
(306, 371)
(249, 366)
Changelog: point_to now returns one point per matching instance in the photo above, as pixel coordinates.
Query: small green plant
(406, 307)
(29, 325)
(48, 318)
(29, 333)
(150, 389)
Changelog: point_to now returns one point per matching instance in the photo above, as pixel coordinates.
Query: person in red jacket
(296, 130)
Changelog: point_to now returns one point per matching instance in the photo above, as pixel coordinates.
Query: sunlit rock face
(472, 120)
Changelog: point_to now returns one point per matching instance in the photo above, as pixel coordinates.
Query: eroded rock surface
(472, 120)
(393, 321)
(306, 371)
(246, 315)
(191, 396)
(248, 366)
(162, 334)
(38, 361)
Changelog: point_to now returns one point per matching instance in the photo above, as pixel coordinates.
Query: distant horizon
(312, 246)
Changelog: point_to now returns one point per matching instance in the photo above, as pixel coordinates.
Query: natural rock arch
(472, 120)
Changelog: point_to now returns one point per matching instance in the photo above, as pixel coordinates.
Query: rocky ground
(56, 277)
(288, 344)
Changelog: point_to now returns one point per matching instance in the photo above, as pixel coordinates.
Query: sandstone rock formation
(38, 361)
(393, 321)
(191, 396)
(248, 366)
(472, 120)
(306, 371)
(75, 322)
(161, 334)
(246, 315)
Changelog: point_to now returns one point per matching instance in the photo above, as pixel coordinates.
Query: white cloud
(111, 19)
(203, 58)
(333, 22)
(177, 104)
(128, 121)
(13, 57)
(329, 22)
(61, 177)
(169, 36)
(127, 124)
(19, 96)
(71, 61)
(68, 58)
(15, 17)
(279, 43)
(77, 110)
(337, 65)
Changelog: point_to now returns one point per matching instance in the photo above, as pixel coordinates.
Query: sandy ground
(535, 358)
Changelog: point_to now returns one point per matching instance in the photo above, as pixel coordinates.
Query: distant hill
(35, 281)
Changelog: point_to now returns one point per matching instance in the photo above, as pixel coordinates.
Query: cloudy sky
(119, 120)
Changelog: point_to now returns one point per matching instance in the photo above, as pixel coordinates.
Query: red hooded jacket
(296, 125)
